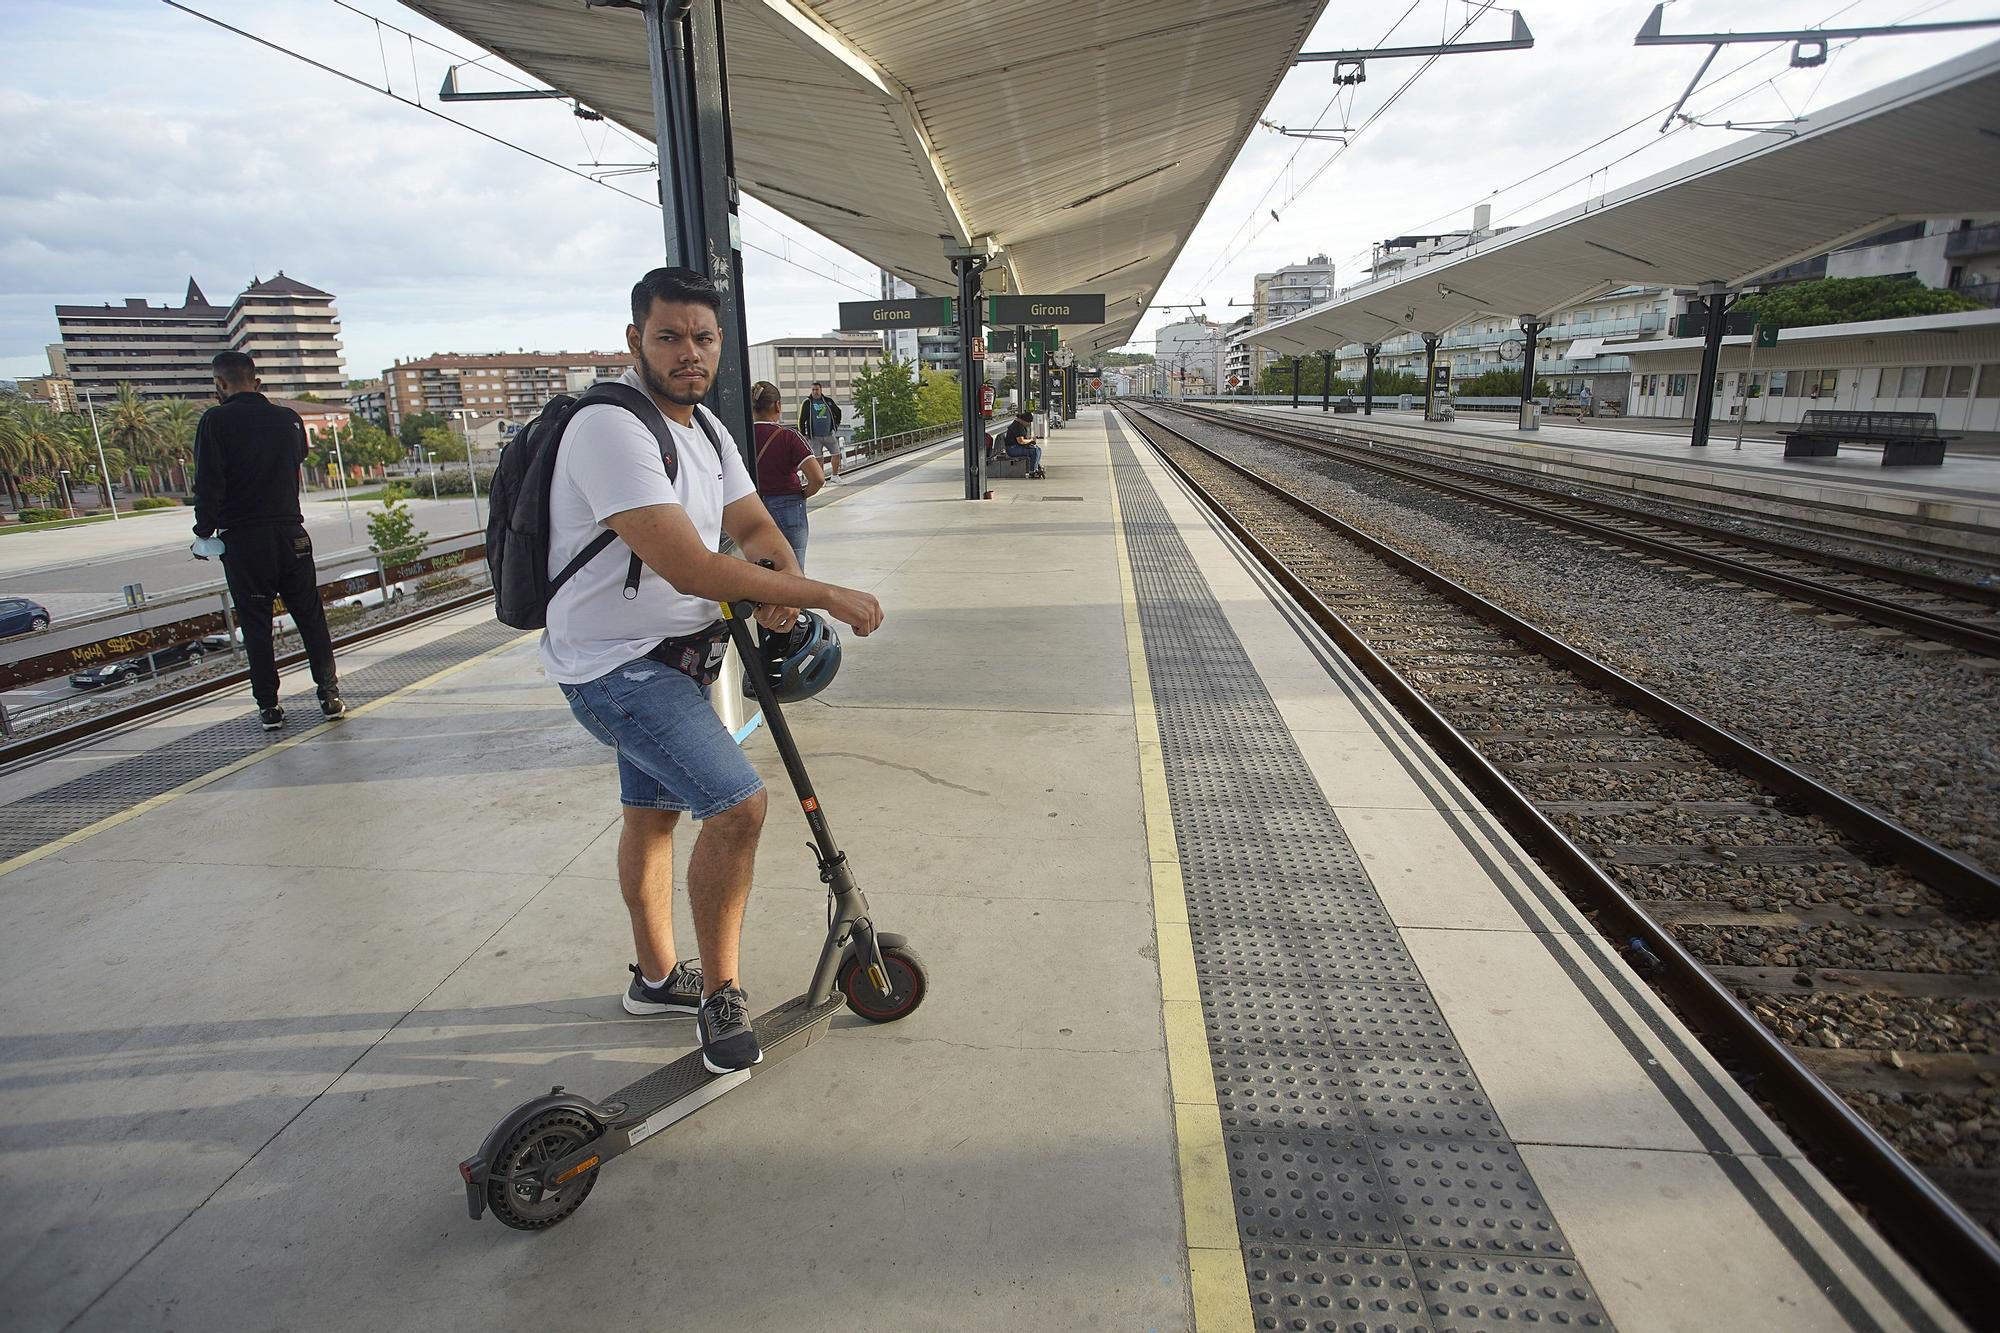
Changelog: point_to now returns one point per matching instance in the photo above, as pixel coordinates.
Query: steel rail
(1952, 1251)
(1929, 625)
(43, 743)
(1968, 883)
(1847, 564)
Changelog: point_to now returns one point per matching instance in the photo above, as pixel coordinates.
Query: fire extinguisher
(985, 400)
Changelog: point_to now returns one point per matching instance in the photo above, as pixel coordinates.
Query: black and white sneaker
(727, 1043)
(331, 705)
(273, 718)
(679, 994)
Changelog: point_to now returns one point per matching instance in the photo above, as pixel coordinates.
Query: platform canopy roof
(1927, 146)
(1084, 136)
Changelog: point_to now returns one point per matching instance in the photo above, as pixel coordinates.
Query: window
(1829, 383)
(1933, 381)
(1885, 382)
(1912, 382)
(1778, 378)
(1677, 386)
(1959, 382)
(1989, 380)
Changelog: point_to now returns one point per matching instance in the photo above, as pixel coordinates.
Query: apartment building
(834, 360)
(164, 351)
(511, 384)
(1291, 290)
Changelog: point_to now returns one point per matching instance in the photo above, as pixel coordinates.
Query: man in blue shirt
(819, 418)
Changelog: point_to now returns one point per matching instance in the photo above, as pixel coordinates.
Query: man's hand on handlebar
(777, 619)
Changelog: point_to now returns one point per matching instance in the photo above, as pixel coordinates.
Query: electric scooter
(542, 1160)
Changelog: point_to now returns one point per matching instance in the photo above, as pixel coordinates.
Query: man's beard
(666, 388)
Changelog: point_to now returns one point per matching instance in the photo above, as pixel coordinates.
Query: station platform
(1956, 505)
(1244, 1014)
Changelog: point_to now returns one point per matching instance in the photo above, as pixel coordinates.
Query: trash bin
(1531, 415)
(1403, 401)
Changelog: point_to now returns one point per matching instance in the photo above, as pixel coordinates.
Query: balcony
(1972, 241)
(1986, 293)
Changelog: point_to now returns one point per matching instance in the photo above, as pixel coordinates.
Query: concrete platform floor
(247, 1033)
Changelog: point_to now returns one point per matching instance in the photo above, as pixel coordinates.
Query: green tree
(178, 419)
(35, 443)
(132, 425)
(885, 399)
(1851, 300)
(937, 398)
(1126, 359)
(443, 443)
(416, 424)
(1502, 383)
(393, 533)
(365, 444)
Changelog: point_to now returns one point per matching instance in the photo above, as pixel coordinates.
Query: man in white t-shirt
(673, 753)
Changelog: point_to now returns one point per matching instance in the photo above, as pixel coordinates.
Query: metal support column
(967, 268)
(1716, 302)
(1020, 367)
(1048, 418)
(1326, 381)
(698, 200)
(1296, 363)
(1370, 350)
(1531, 330)
(1431, 341)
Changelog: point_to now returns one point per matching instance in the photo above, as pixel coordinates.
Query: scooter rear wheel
(909, 983)
(542, 1138)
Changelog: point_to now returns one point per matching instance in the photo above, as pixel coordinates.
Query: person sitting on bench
(1020, 443)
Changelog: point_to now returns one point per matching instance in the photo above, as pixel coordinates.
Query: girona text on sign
(1076, 308)
(926, 312)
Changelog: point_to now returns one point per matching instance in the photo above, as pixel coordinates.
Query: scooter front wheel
(542, 1138)
(909, 983)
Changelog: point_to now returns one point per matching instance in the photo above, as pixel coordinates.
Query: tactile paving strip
(58, 811)
(1376, 1189)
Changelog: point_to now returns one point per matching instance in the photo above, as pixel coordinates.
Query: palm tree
(178, 418)
(35, 444)
(133, 425)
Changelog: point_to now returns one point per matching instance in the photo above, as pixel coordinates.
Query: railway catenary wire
(1908, 727)
(1859, 1002)
(1929, 606)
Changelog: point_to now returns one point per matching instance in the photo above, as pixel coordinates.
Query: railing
(1972, 241)
(891, 444)
(1986, 293)
(205, 614)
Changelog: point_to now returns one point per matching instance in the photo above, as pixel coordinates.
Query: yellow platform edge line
(1217, 1285)
(68, 840)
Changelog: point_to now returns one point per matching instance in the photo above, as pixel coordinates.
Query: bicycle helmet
(799, 663)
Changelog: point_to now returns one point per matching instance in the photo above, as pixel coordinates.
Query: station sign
(1000, 342)
(1077, 308)
(1767, 335)
(1440, 382)
(925, 312)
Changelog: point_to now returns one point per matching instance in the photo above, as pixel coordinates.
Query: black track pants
(261, 563)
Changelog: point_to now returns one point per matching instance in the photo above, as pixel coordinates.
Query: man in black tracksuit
(247, 454)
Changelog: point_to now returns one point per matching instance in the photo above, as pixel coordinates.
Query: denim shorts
(789, 513)
(673, 751)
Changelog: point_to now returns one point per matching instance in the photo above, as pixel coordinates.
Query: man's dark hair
(234, 367)
(676, 286)
(1024, 416)
(817, 384)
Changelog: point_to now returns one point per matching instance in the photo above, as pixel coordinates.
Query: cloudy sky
(139, 146)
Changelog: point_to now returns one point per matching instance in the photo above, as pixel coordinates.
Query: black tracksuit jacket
(247, 453)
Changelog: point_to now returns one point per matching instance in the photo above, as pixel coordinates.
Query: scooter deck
(677, 1090)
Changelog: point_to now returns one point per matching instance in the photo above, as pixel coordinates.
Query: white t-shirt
(610, 462)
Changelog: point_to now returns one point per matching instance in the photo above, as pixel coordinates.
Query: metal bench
(1908, 439)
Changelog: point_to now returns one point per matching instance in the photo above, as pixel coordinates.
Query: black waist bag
(698, 655)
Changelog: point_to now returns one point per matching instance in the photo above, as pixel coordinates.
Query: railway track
(1927, 605)
(1845, 967)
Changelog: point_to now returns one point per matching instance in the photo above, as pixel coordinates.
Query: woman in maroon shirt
(782, 454)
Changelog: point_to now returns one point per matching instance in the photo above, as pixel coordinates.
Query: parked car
(106, 674)
(370, 596)
(19, 615)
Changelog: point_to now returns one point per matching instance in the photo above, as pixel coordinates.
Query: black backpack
(517, 524)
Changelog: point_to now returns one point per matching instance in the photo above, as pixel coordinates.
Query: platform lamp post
(1431, 341)
(62, 482)
(1531, 332)
(430, 465)
(1371, 351)
(340, 466)
(104, 468)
